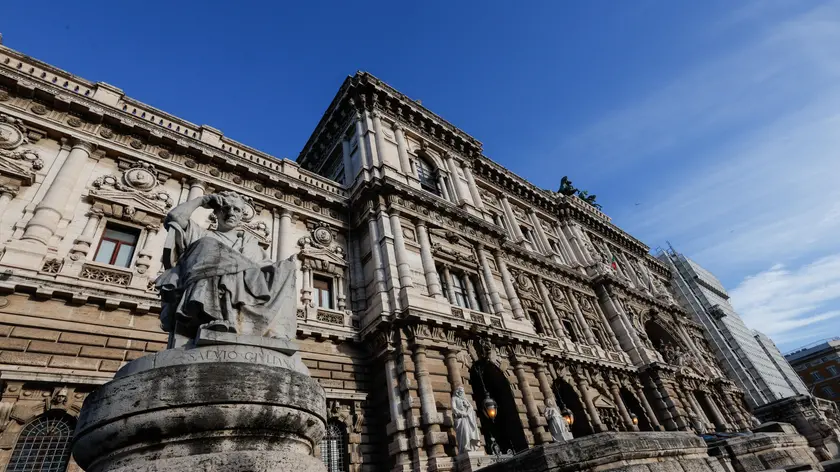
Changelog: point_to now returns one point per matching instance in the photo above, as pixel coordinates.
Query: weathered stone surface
(636, 452)
(180, 415)
(773, 446)
(228, 354)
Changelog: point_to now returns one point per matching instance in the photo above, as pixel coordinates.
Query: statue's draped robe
(230, 273)
(466, 426)
(557, 426)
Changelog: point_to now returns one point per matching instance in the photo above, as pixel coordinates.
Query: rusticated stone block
(35, 333)
(84, 339)
(53, 348)
(24, 358)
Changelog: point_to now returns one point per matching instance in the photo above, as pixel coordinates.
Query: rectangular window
(479, 294)
(832, 370)
(599, 337)
(829, 392)
(322, 292)
(535, 320)
(459, 287)
(816, 376)
(570, 330)
(116, 247)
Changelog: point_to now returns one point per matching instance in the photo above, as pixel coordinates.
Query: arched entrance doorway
(633, 406)
(568, 398)
(507, 428)
(667, 346)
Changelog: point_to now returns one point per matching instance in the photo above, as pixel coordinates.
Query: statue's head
(549, 403)
(230, 211)
(459, 392)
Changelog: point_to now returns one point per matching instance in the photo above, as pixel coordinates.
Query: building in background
(750, 358)
(782, 365)
(818, 364)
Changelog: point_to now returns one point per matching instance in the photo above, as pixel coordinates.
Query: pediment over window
(320, 251)
(135, 208)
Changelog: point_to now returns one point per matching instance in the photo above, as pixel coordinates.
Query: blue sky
(714, 125)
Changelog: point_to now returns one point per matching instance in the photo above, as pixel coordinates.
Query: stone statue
(222, 280)
(466, 424)
(556, 424)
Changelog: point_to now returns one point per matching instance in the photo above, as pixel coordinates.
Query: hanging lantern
(568, 416)
(490, 407)
(634, 419)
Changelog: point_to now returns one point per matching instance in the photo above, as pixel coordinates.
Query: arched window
(428, 176)
(333, 447)
(43, 445)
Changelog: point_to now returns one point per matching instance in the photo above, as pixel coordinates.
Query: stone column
(457, 186)
(450, 290)
(82, 244)
(530, 405)
(622, 408)
(587, 330)
(597, 426)
(360, 137)
(545, 385)
(428, 260)
(341, 297)
(376, 258)
(397, 426)
(507, 281)
(444, 190)
(285, 235)
(467, 166)
(378, 138)
(651, 415)
(541, 237)
(146, 253)
(581, 252)
(402, 150)
(403, 268)
(306, 292)
(549, 307)
(489, 281)
(44, 222)
(347, 158)
(453, 369)
(7, 194)
(716, 418)
(607, 326)
(430, 418)
(511, 218)
(197, 189)
(564, 245)
(274, 247)
(185, 190)
(471, 294)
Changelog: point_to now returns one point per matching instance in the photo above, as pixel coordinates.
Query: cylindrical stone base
(175, 415)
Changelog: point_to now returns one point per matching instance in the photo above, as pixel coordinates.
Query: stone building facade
(423, 266)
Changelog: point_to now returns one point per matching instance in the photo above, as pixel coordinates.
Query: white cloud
(782, 301)
(744, 147)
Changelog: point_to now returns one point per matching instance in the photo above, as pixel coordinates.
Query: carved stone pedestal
(232, 408)
(473, 460)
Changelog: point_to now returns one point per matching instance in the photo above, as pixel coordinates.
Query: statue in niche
(557, 426)
(466, 423)
(222, 279)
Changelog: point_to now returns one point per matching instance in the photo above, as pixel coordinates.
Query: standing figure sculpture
(466, 424)
(557, 426)
(222, 279)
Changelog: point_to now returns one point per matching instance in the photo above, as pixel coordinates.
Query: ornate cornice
(364, 92)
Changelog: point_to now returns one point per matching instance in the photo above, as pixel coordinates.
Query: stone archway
(664, 342)
(567, 397)
(633, 406)
(507, 428)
